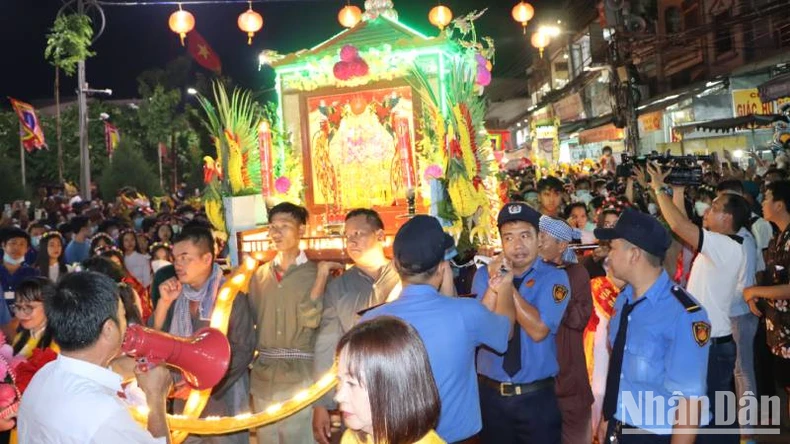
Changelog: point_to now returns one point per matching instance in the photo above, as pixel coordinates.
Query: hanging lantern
(540, 40)
(523, 13)
(349, 16)
(181, 22)
(440, 16)
(250, 22)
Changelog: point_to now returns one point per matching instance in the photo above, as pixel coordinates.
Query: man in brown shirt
(287, 318)
(572, 384)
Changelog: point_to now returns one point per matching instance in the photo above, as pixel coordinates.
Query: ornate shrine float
(378, 116)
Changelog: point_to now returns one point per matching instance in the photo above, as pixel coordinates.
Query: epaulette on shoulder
(684, 298)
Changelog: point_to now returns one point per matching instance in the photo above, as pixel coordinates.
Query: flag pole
(161, 183)
(22, 154)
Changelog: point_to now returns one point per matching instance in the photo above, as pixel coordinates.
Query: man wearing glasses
(366, 284)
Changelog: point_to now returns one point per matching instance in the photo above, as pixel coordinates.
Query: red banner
(31, 133)
(202, 52)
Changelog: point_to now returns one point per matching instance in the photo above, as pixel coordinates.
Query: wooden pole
(22, 155)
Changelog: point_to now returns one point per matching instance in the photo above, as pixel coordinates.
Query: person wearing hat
(451, 328)
(573, 384)
(13, 271)
(717, 279)
(659, 338)
(517, 389)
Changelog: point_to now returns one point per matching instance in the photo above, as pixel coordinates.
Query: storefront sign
(747, 101)
(546, 132)
(569, 108)
(650, 122)
(601, 134)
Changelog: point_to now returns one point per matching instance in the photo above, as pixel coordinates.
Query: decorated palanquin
(380, 116)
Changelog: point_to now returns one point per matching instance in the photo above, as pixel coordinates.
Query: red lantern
(181, 22)
(540, 40)
(523, 13)
(440, 16)
(349, 16)
(250, 22)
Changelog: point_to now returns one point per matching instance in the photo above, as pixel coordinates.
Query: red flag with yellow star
(202, 52)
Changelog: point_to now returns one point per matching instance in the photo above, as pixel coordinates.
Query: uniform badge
(514, 209)
(530, 283)
(701, 332)
(560, 293)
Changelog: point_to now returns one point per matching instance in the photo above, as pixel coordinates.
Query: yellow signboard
(747, 101)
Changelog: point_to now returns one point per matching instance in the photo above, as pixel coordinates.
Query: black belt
(721, 340)
(514, 389)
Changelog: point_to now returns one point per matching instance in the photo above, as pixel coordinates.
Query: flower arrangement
(351, 64)
(16, 374)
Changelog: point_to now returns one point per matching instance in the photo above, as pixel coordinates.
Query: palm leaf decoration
(233, 121)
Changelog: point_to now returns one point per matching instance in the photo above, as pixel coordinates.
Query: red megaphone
(203, 359)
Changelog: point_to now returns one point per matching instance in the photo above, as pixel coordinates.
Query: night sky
(137, 38)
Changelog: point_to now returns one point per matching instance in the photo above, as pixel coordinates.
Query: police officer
(659, 338)
(517, 389)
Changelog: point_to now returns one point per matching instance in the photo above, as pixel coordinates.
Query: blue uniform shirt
(547, 288)
(451, 330)
(666, 351)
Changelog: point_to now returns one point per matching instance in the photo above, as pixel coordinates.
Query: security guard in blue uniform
(659, 338)
(517, 389)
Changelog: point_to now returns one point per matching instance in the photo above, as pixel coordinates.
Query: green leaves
(68, 42)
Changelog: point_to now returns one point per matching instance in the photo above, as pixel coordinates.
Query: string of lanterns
(182, 22)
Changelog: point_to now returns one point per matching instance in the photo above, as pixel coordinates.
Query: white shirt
(70, 401)
(54, 272)
(739, 306)
(763, 232)
(717, 278)
(140, 266)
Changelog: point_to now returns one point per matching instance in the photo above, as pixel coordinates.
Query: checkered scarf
(560, 230)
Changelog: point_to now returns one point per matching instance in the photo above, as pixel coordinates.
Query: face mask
(701, 207)
(652, 209)
(35, 241)
(158, 263)
(12, 261)
(176, 229)
(138, 223)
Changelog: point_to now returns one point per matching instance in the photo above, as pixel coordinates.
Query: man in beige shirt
(287, 318)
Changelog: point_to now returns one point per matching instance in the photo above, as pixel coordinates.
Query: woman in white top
(51, 261)
(138, 264)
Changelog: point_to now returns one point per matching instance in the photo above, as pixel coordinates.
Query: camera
(686, 170)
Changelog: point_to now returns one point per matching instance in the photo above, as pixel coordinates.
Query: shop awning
(748, 122)
(775, 88)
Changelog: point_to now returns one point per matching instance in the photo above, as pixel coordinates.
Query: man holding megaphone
(76, 397)
(186, 305)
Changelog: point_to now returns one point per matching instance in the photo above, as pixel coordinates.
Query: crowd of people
(608, 287)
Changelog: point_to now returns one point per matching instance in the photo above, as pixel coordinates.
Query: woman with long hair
(386, 388)
(164, 233)
(138, 264)
(161, 255)
(29, 300)
(115, 255)
(51, 261)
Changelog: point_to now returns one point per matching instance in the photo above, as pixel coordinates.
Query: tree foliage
(129, 168)
(68, 42)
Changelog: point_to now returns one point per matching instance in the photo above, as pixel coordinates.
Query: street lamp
(191, 91)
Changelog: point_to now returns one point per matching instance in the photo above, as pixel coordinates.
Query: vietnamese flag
(202, 52)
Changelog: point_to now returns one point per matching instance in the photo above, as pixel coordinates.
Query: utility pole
(85, 162)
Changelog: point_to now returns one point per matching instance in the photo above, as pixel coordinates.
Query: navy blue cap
(518, 211)
(640, 229)
(421, 244)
